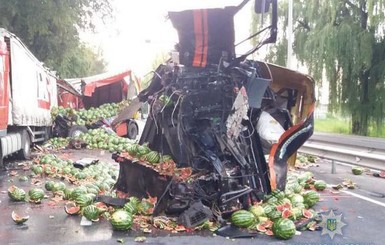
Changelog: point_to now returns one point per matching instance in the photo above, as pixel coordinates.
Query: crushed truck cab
(213, 114)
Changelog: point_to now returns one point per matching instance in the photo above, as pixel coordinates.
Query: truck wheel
(132, 130)
(76, 130)
(25, 151)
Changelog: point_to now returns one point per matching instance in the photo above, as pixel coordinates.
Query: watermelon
(79, 191)
(93, 190)
(49, 185)
(66, 170)
(284, 228)
(131, 207)
(274, 215)
(16, 194)
(278, 194)
(272, 200)
(145, 207)
(84, 200)
(287, 213)
(356, 170)
(71, 208)
(101, 206)
(58, 186)
(18, 219)
(243, 218)
(297, 188)
(268, 208)
(134, 200)
(299, 205)
(257, 210)
(296, 198)
(152, 157)
(166, 158)
(36, 169)
(143, 150)
(91, 212)
(80, 175)
(285, 200)
(67, 193)
(261, 228)
(305, 177)
(121, 220)
(36, 195)
(133, 149)
(310, 198)
(297, 213)
(320, 185)
(307, 213)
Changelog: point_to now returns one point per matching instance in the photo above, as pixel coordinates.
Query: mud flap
(287, 145)
(140, 181)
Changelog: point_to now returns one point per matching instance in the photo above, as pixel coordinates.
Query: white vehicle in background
(28, 91)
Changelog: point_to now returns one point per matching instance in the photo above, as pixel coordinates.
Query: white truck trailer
(28, 91)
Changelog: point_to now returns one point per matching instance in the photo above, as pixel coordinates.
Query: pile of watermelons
(280, 214)
(101, 139)
(77, 189)
(90, 116)
(283, 212)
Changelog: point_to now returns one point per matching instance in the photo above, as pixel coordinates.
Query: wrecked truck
(80, 108)
(235, 123)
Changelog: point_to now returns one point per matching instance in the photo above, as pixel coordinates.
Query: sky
(140, 30)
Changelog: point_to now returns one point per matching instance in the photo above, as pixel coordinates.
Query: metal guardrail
(367, 152)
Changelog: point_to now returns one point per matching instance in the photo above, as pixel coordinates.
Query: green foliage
(50, 29)
(344, 42)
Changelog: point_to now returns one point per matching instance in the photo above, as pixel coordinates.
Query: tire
(132, 130)
(25, 152)
(76, 131)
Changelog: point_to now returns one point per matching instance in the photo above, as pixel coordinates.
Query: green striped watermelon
(166, 158)
(143, 150)
(36, 195)
(131, 207)
(49, 185)
(133, 149)
(16, 194)
(310, 198)
(58, 186)
(79, 191)
(121, 220)
(320, 185)
(356, 170)
(257, 210)
(134, 200)
(152, 157)
(84, 200)
(274, 215)
(243, 218)
(91, 212)
(37, 169)
(284, 228)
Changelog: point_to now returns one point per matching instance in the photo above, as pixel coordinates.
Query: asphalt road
(361, 209)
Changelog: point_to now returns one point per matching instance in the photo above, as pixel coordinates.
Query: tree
(344, 40)
(50, 29)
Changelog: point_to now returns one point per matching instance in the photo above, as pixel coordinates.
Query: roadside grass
(332, 125)
(342, 126)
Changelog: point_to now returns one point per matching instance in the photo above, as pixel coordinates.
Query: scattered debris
(19, 219)
(140, 239)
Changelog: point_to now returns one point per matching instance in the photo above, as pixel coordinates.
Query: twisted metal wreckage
(213, 112)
